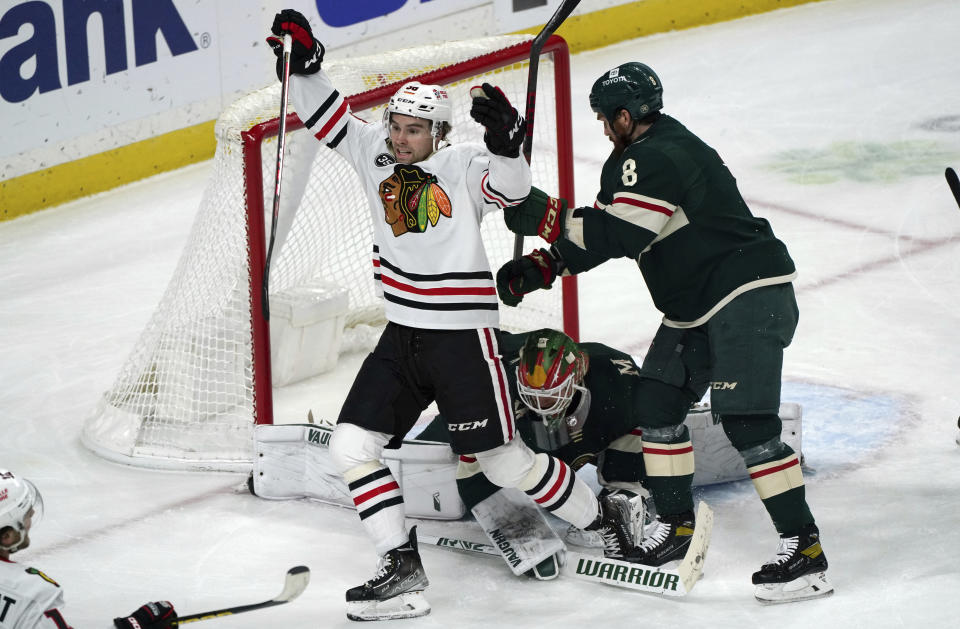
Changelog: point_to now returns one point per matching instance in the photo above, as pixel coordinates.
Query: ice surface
(838, 119)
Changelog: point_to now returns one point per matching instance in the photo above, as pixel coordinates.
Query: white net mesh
(185, 397)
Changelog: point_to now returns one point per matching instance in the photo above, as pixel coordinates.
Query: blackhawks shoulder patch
(42, 576)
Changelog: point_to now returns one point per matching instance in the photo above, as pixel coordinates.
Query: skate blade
(815, 585)
(406, 605)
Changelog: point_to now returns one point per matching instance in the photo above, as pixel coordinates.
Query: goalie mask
(551, 371)
(632, 86)
(20, 506)
(430, 102)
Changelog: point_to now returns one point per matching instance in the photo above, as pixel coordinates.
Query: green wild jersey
(669, 202)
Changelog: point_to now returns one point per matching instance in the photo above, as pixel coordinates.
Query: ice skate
(640, 515)
(665, 539)
(797, 572)
(613, 526)
(396, 591)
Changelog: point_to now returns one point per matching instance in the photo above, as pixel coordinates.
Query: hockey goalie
(575, 401)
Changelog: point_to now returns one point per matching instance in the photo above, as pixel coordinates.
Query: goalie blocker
(293, 461)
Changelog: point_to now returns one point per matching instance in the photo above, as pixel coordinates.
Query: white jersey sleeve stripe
(337, 120)
(495, 196)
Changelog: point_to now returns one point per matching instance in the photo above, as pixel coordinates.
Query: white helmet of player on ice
(20, 506)
(430, 102)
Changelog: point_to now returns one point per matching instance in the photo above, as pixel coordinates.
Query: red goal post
(204, 370)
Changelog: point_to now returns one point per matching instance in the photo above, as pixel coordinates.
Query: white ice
(838, 119)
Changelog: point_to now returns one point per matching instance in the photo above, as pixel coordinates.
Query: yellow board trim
(116, 167)
(104, 171)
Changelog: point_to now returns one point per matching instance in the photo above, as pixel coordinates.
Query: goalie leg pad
(294, 461)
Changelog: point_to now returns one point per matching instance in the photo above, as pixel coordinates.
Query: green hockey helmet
(551, 370)
(632, 86)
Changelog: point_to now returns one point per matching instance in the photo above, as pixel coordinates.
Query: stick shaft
(281, 142)
(561, 14)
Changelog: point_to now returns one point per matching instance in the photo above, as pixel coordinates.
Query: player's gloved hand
(156, 615)
(505, 129)
(524, 275)
(538, 215)
(306, 54)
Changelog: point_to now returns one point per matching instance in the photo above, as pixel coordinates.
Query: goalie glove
(538, 269)
(306, 54)
(504, 126)
(156, 615)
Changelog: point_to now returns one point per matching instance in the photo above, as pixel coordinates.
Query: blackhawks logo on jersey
(412, 200)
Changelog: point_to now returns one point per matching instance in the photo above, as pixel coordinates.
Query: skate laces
(615, 525)
(384, 566)
(611, 542)
(655, 534)
(785, 550)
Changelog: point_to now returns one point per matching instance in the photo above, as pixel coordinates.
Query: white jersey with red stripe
(29, 599)
(429, 260)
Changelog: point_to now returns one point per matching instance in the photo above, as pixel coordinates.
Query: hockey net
(199, 377)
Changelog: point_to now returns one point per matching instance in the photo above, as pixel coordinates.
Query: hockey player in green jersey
(723, 282)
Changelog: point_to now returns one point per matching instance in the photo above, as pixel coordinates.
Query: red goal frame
(253, 138)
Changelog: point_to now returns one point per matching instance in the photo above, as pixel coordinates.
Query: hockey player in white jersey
(427, 198)
(29, 599)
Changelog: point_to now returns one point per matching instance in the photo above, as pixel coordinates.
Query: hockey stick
(281, 141)
(954, 183)
(562, 12)
(452, 543)
(296, 582)
(674, 582)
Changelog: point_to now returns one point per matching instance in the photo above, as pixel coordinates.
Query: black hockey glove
(504, 125)
(306, 54)
(524, 275)
(156, 615)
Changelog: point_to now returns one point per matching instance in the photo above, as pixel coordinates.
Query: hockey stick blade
(954, 182)
(674, 582)
(295, 583)
(678, 581)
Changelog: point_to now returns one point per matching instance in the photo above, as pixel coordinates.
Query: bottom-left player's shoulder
(29, 584)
